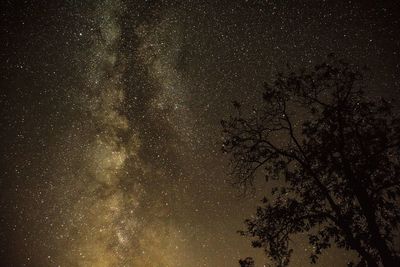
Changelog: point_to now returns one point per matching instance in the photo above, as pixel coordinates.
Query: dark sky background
(110, 135)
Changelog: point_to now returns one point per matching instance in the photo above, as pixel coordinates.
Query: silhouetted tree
(247, 262)
(335, 154)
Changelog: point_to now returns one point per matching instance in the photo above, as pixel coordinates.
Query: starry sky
(110, 111)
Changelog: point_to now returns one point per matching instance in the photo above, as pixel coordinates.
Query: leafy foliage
(336, 154)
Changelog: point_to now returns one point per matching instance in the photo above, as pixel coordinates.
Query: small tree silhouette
(335, 153)
(247, 262)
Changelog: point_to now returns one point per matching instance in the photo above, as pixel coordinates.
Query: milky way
(110, 230)
(110, 121)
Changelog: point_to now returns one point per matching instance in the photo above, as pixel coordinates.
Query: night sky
(110, 111)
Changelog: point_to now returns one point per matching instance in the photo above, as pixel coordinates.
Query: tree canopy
(334, 152)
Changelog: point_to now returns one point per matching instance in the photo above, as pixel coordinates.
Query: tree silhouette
(335, 155)
(247, 262)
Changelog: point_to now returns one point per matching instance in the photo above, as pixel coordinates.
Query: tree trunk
(364, 200)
